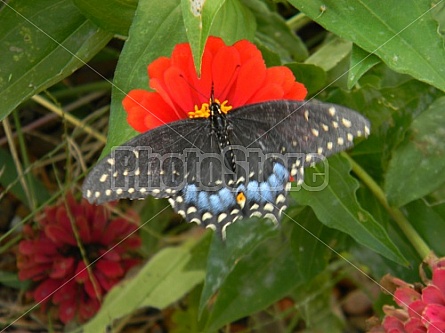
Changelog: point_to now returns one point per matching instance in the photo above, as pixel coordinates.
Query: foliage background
(384, 217)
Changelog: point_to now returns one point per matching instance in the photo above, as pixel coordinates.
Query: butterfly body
(218, 169)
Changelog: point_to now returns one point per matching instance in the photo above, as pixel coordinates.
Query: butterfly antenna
(193, 87)
(229, 84)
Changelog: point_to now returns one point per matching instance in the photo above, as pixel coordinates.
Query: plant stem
(298, 21)
(70, 118)
(418, 243)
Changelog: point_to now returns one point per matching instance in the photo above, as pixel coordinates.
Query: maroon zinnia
(50, 256)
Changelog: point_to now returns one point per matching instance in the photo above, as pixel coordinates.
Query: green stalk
(418, 243)
(298, 21)
(25, 159)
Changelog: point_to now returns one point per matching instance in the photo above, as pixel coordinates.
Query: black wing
(298, 133)
(157, 163)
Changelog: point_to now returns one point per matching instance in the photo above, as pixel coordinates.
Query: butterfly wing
(280, 138)
(183, 161)
(152, 163)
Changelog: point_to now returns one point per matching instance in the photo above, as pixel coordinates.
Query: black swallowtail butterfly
(218, 169)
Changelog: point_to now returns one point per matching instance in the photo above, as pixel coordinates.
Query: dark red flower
(50, 256)
(238, 74)
(421, 310)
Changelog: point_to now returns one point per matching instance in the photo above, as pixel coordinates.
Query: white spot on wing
(347, 123)
(221, 217)
(268, 207)
(314, 132)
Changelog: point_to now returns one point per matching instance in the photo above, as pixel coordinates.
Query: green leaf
(198, 19)
(228, 19)
(273, 32)
(258, 280)
(330, 54)
(242, 238)
(314, 300)
(42, 42)
(312, 76)
(361, 62)
(429, 221)
(11, 280)
(417, 166)
(403, 34)
(112, 15)
(9, 179)
(331, 194)
(156, 29)
(233, 22)
(309, 241)
(165, 279)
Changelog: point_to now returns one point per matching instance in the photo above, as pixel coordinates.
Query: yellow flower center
(204, 111)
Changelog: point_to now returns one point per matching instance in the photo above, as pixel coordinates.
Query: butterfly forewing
(152, 163)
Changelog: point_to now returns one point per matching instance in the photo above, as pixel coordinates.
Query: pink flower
(421, 310)
(51, 256)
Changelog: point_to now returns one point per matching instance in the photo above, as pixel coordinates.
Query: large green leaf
(163, 280)
(330, 54)
(157, 27)
(417, 166)
(429, 221)
(273, 32)
(313, 77)
(332, 197)
(258, 280)
(311, 242)
(242, 237)
(111, 15)
(42, 42)
(361, 62)
(229, 19)
(233, 22)
(404, 34)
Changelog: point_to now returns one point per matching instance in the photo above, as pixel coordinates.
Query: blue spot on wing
(190, 194)
(227, 198)
(253, 192)
(203, 201)
(275, 183)
(216, 206)
(281, 172)
(266, 193)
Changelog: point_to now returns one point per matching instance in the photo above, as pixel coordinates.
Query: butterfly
(226, 166)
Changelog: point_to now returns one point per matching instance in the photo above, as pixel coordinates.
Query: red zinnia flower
(50, 255)
(238, 74)
(422, 310)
